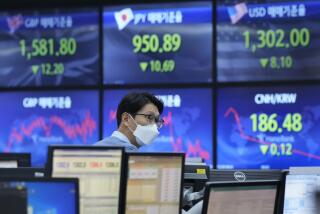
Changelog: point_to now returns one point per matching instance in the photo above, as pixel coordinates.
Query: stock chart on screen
(188, 121)
(49, 48)
(159, 43)
(267, 40)
(261, 127)
(33, 120)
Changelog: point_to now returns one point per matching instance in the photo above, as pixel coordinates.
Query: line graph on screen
(71, 129)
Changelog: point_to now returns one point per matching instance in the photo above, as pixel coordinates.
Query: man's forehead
(150, 108)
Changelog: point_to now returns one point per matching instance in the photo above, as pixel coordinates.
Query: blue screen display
(268, 127)
(33, 120)
(49, 48)
(49, 197)
(268, 40)
(188, 121)
(158, 43)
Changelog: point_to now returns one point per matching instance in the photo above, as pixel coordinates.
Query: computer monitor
(23, 172)
(35, 195)
(188, 120)
(223, 175)
(154, 183)
(267, 126)
(301, 194)
(49, 47)
(32, 120)
(14, 160)
(99, 169)
(248, 197)
(165, 43)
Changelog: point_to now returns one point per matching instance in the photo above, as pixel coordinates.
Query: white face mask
(145, 134)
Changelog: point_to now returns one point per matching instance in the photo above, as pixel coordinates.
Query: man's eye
(150, 117)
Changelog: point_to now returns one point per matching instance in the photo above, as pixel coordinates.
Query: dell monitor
(247, 197)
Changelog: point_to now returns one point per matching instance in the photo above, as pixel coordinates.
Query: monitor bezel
(52, 148)
(210, 185)
(152, 154)
(214, 172)
(75, 181)
(23, 172)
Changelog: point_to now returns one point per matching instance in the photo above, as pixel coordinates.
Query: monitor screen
(268, 127)
(267, 40)
(99, 173)
(301, 194)
(53, 47)
(246, 199)
(30, 121)
(159, 43)
(38, 196)
(157, 179)
(188, 121)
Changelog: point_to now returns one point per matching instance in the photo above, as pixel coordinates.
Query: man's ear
(125, 118)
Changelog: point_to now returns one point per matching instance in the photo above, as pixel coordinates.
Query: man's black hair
(134, 102)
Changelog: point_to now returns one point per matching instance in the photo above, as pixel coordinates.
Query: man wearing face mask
(138, 120)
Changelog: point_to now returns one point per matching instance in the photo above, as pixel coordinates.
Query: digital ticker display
(268, 40)
(158, 43)
(49, 48)
(33, 120)
(261, 127)
(188, 121)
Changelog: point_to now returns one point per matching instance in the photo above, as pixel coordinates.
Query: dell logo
(239, 176)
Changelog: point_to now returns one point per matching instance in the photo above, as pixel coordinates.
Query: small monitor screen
(38, 197)
(188, 121)
(302, 194)
(259, 40)
(154, 184)
(99, 173)
(30, 121)
(248, 199)
(158, 43)
(14, 160)
(8, 164)
(49, 48)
